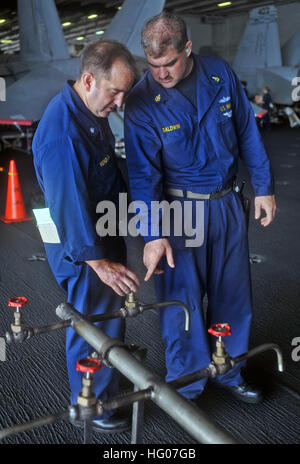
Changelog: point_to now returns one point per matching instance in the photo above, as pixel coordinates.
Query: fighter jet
(44, 65)
(261, 61)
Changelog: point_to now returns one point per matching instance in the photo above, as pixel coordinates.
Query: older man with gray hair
(76, 168)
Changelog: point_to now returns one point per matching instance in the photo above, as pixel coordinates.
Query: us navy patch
(226, 109)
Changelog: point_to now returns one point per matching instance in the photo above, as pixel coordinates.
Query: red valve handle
(18, 301)
(220, 330)
(90, 365)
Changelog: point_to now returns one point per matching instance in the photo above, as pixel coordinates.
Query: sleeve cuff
(264, 192)
(88, 253)
(150, 238)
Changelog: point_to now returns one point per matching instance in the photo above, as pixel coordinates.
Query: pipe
(49, 328)
(143, 307)
(34, 423)
(30, 332)
(125, 400)
(171, 303)
(261, 349)
(190, 378)
(184, 412)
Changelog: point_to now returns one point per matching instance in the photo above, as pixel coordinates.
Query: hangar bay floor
(34, 380)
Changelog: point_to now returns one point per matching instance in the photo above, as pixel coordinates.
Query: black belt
(197, 196)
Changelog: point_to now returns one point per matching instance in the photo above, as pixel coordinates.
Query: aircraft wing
(41, 34)
(45, 60)
(259, 61)
(127, 24)
(260, 45)
(28, 97)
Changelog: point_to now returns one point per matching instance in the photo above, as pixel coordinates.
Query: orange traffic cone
(15, 208)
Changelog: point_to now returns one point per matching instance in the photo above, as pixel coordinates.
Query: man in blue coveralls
(187, 122)
(75, 164)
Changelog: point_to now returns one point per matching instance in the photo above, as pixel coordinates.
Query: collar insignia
(224, 100)
(157, 98)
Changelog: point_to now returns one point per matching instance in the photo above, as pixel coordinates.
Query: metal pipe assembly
(114, 352)
(129, 361)
(20, 332)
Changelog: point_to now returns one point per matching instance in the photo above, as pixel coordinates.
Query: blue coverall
(171, 144)
(76, 168)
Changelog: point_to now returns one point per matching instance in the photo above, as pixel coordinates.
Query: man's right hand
(153, 252)
(115, 275)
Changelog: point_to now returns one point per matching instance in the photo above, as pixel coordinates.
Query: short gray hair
(162, 31)
(99, 57)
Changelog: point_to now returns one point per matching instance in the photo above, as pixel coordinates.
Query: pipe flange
(73, 412)
(78, 412)
(18, 337)
(223, 368)
(106, 347)
(212, 371)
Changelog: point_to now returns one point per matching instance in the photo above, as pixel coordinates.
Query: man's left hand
(268, 204)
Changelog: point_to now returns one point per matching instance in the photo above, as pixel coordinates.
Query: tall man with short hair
(76, 168)
(187, 122)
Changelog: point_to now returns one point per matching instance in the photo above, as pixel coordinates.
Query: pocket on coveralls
(177, 147)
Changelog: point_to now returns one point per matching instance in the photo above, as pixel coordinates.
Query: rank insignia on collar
(215, 78)
(157, 98)
(104, 161)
